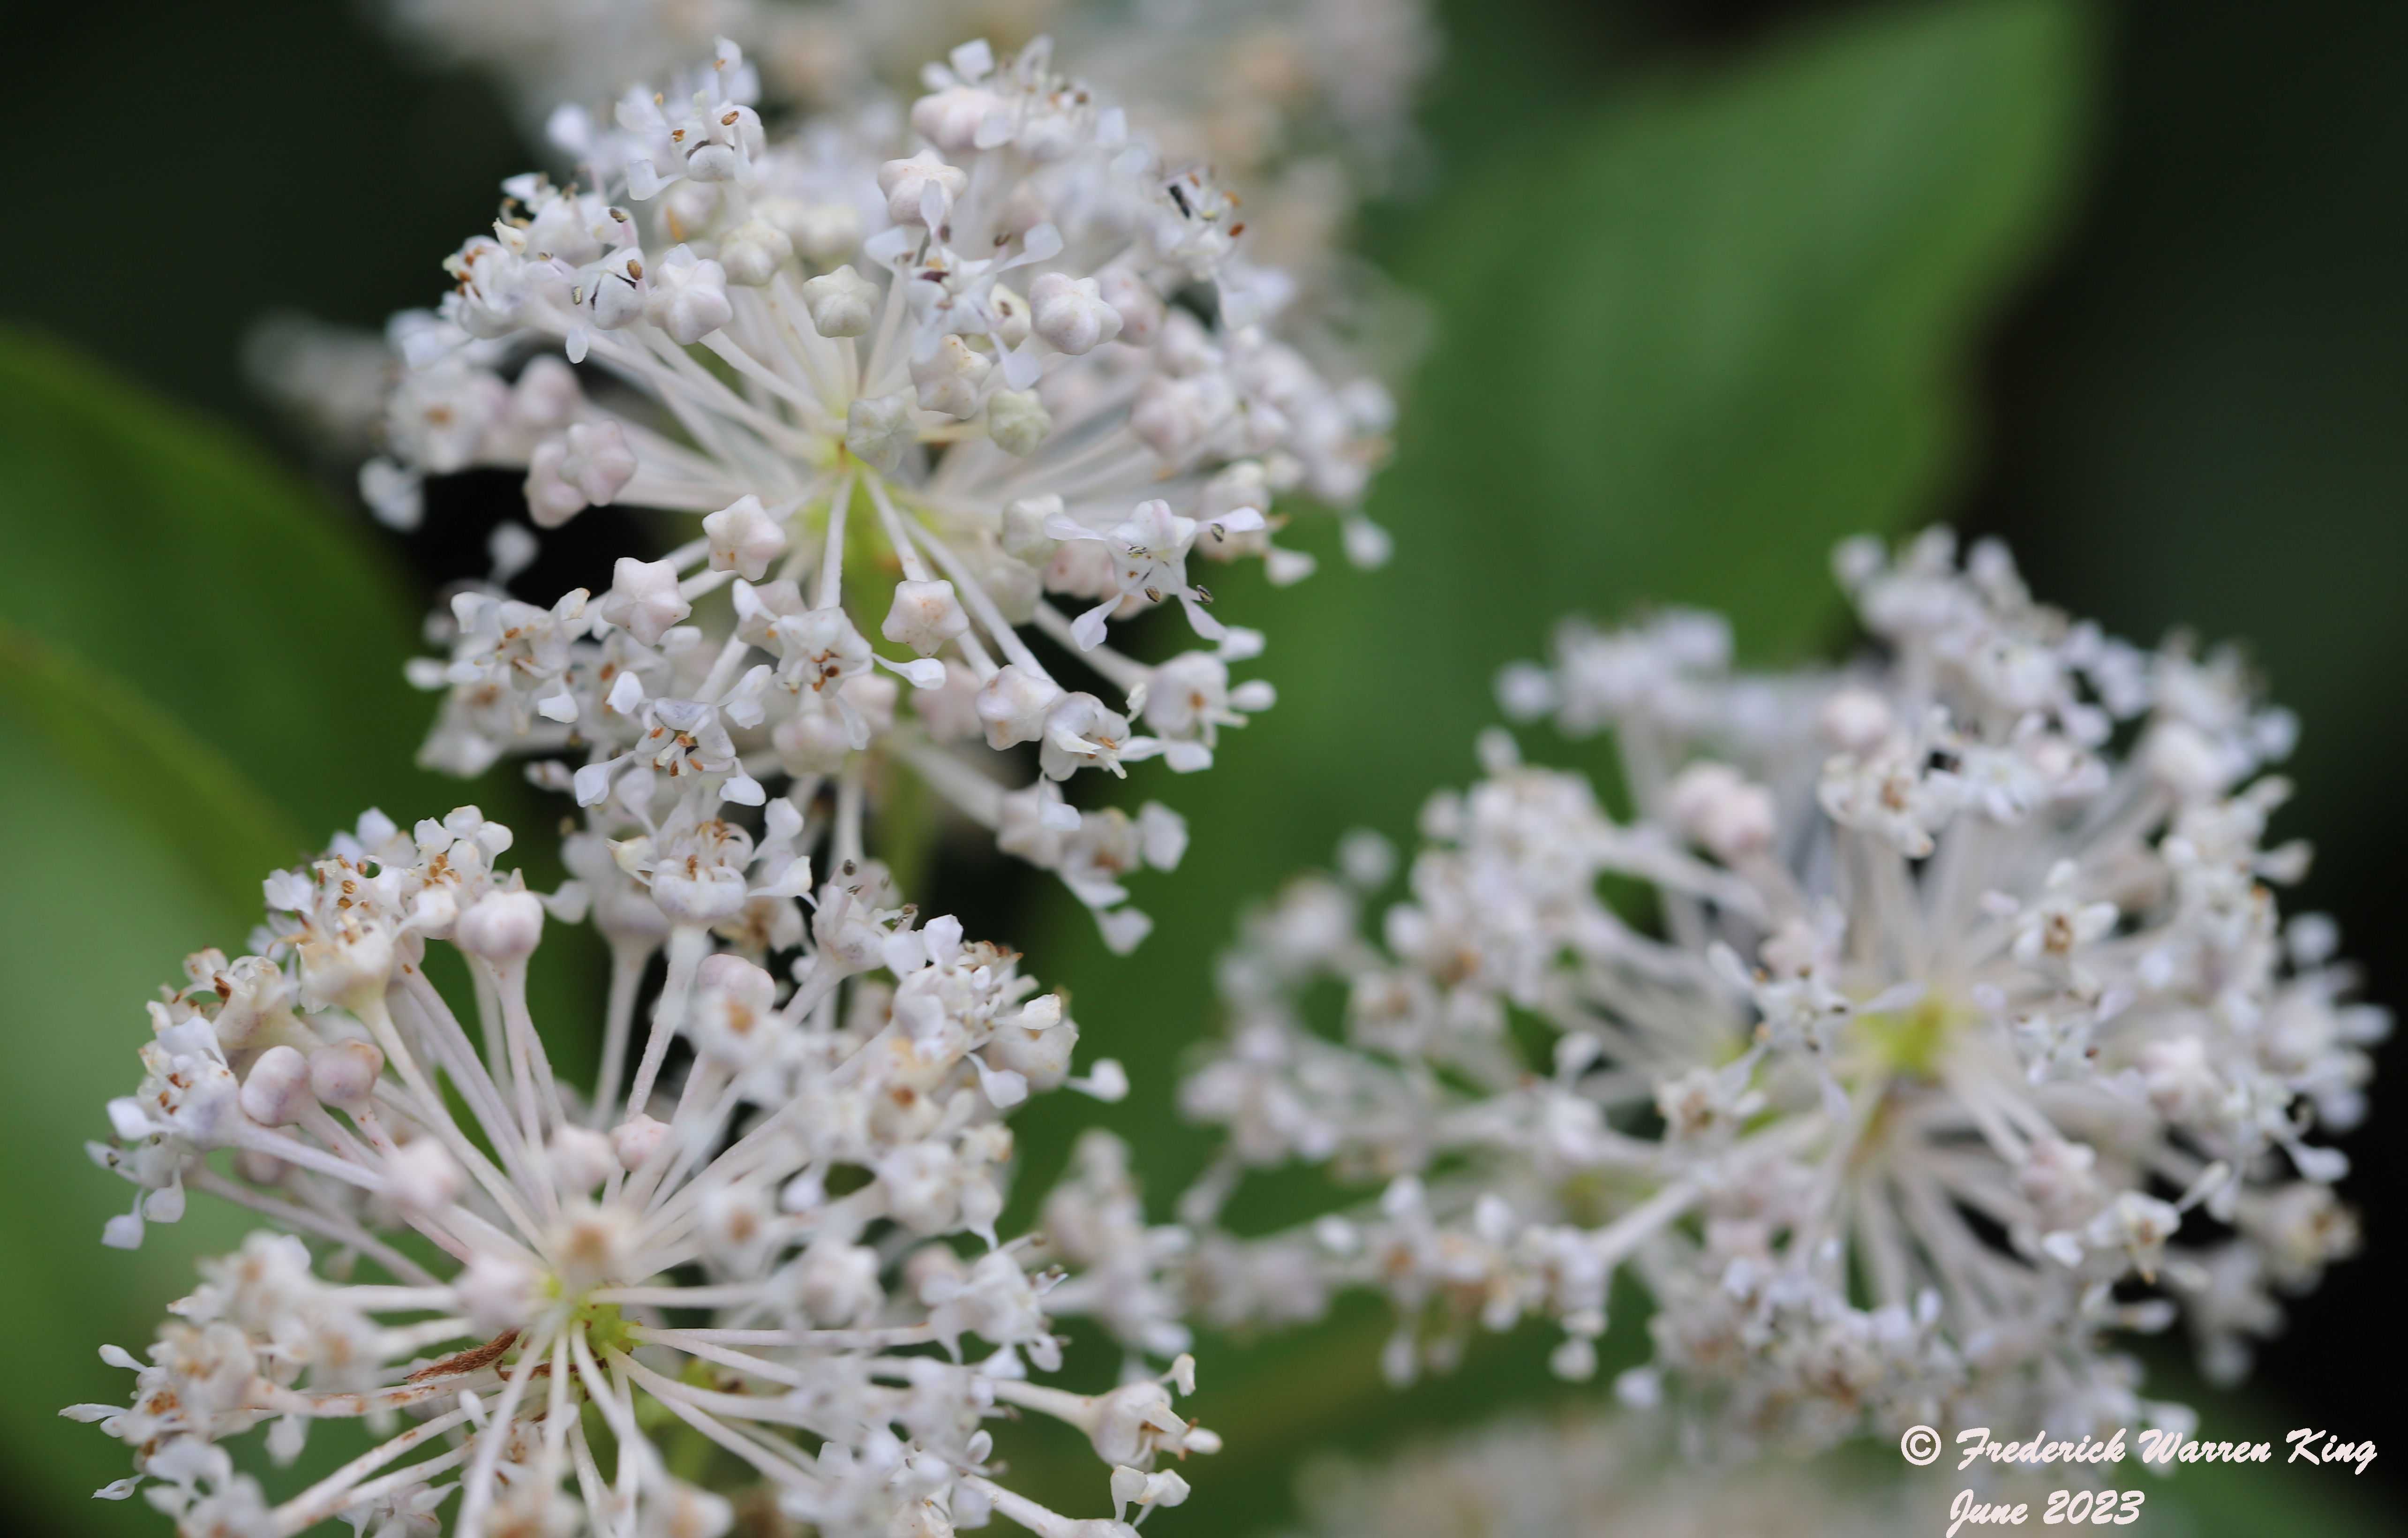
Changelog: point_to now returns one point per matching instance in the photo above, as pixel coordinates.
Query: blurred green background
(1713, 285)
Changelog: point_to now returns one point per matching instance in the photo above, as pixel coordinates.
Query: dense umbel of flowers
(775, 1243)
(917, 386)
(1971, 1034)
(1304, 103)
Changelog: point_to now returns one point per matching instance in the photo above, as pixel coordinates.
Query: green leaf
(1686, 344)
(133, 843)
(241, 603)
(200, 676)
(151, 773)
(213, 582)
(1689, 347)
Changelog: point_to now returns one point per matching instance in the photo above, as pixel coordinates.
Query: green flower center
(1906, 1044)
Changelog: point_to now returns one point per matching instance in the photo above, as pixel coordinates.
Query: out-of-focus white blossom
(780, 1237)
(1307, 102)
(1961, 1031)
(1590, 1474)
(332, 381)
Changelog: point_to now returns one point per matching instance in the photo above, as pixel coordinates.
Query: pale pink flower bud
(503, 927)
(277, 1091)
(344, 1075)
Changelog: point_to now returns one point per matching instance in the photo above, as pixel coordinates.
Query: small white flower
(1013, 706)
(949, 377)
(688, 297)
(841, 303)
(925, 616)
(744, 537)
(1071, 313)
(919, 184)
(644, 600)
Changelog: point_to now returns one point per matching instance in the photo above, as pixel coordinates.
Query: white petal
(1060, 818)
(743, 790)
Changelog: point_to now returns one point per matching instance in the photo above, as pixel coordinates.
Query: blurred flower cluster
(1945, 1025)
(1305, 103)
(1587, 1474)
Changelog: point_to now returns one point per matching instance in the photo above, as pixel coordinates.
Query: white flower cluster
(775, 1243)
(1587, 1474)
(1961, 1032)
(915, 389)
(1306, 101)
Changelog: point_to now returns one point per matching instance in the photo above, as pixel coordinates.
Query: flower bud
(1171, 415)
(675, 1509)
(2180, 1081)
(948, 378)
(723, 971)
(1854, 721)
(1024, 527)
(2183, 761)
(1013, 705)
(547, 396)
(840, 1282)
(821, 231)
(643, 599)
(1017, 420)
(348, 968)
(744, 538)
(812, 742)
(878, 430)
(257, 1168)
(582, 1159)
(635, 1140)
(504, 928)
(1716, 806)
(1071, 314)
(598, 462)
(1011, 319)
(1134, 301)
(689, 297)
(905, 183)
(950, 119)
(1013, 588)
(277, 1092)
(925, 616)
(344, 1075)
(552, 501)
(422, 1177)
(753, 252)
(841, 303)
